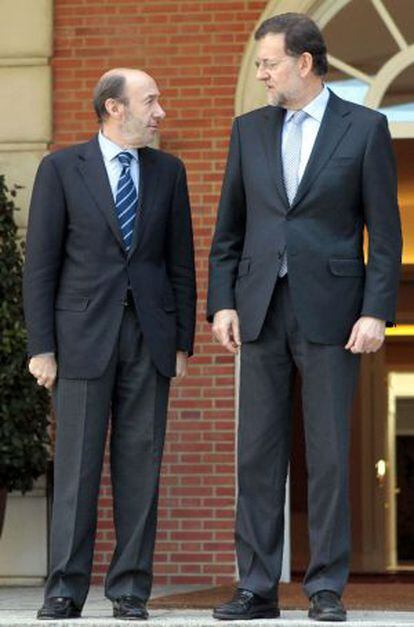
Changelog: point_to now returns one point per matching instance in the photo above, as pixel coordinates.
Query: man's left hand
(367, 335)
(181, 365)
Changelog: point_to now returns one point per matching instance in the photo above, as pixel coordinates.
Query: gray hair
(110, 86)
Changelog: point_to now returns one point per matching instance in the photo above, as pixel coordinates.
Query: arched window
(371, 57)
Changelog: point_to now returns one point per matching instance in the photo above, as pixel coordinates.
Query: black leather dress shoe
(55, 608)
(246, 605)
(130, 608)
(327, 606)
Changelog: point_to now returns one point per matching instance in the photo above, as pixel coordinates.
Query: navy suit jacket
(349, 183)
(77, 271)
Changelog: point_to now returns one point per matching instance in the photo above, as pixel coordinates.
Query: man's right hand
(226, 329)
(44, 369)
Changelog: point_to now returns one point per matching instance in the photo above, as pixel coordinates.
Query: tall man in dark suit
(110, 308)
(304, 175)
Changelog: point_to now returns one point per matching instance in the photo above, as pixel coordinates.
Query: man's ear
(114, 107)
(305, 64)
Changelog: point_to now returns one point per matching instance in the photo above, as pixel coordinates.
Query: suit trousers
(135, 396)
(329, 375)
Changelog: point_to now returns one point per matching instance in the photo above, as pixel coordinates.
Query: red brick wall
(194, 50)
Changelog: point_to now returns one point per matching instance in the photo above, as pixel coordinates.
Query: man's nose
(160, 113)
(261, 73)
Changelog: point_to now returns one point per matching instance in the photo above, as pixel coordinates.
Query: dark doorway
(405, 479)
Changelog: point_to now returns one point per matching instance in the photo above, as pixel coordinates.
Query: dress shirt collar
(315, 108)
(110, 150)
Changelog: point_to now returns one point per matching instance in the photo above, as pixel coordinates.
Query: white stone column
(26, 29)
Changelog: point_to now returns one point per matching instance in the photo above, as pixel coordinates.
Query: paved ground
(18, 607)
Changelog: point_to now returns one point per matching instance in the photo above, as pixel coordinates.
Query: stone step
(193, 618)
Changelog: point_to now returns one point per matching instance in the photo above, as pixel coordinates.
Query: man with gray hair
(109, 290)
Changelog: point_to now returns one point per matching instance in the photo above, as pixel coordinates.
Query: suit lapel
(332, 129)
(272, 138)
(92, 168)
(148, 181)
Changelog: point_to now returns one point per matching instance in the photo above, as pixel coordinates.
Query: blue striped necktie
(126, 200)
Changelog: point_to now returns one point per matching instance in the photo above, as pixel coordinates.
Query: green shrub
(24, 406)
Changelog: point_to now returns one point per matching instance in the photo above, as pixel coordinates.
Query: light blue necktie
(126, 200)
(291, 161)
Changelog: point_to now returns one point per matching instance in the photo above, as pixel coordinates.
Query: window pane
(335, 75)
(350, 89)
(358, 36)
(402, 13)
(398, 102)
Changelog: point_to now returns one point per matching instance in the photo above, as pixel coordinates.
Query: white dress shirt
(310, 126)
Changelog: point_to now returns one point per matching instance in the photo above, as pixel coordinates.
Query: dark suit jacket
(77, 271)
(349, 183)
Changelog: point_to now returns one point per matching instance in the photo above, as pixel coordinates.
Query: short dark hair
(301, 35)
(111, 86)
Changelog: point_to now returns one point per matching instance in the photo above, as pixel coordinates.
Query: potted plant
(24, 406)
